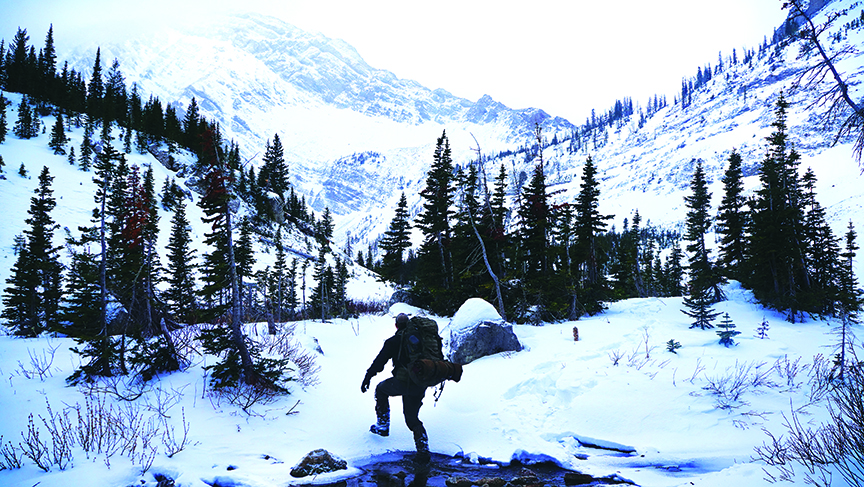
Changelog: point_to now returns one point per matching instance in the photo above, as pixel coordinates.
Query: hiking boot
(423, 456)
(382, 427)
(378, 430)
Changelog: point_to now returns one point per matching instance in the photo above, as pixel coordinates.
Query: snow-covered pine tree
(727, 332)
(395, 243)
(58, 139)
(702, 282)
(180, 294)
(33, 298)
(732, 219)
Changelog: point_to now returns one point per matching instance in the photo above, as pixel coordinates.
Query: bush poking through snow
(738, 379)
(96, 429)
(831, 448)
(673, 346)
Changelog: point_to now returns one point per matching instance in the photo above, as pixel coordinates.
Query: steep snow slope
(355, 136)
(650, 168)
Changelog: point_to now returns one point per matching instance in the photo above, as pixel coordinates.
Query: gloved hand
(365, 385)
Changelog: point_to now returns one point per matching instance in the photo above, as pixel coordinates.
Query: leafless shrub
(161, 401)
(697, 370)
(33, 447)
(728, 388)
(97, 428)
(820, 377)
(40, 365)
(169, 439)
(185, 341)
(836, 446)
(11, 456)
(615, 356)
(284, 345)
(62, 437)
(789, 370)
(243, 396)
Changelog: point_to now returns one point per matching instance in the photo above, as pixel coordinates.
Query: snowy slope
(356, 136)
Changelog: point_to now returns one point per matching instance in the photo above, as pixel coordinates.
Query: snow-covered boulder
(476, 331)
(317, 462)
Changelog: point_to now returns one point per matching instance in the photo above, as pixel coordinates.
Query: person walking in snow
(398, 385)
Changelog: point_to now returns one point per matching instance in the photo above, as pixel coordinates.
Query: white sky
(565, 57)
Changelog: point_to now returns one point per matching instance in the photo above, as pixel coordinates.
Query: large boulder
(317, 462)
(477, 330)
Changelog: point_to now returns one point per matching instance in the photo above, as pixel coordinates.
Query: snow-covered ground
(536, 404)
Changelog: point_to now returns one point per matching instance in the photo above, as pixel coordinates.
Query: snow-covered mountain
(356, 136)
(258, 75)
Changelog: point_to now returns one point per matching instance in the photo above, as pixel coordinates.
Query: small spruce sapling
(22, 171)
(727, 332)
(673, 346)
(762, 331)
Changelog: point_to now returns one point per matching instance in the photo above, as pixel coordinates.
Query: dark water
(397, 469)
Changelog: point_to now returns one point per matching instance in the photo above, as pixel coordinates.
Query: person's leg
(385, 389)
(411, 408)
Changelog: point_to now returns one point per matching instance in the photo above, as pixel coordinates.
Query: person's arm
(387, 352)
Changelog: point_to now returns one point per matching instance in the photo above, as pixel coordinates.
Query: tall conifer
(396, 242)
(35, 291)
(702, 283)
(732, 220)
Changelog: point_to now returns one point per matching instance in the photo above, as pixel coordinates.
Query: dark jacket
(389, 351)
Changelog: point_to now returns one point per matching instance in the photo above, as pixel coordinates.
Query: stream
(397, 469)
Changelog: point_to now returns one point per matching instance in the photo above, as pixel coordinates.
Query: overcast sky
(565, 57)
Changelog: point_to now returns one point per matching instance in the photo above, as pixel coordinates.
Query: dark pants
(412, 398)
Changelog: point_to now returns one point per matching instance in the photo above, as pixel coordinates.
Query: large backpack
(426, 364)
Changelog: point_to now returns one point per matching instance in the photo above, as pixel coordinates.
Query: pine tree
(18, 73)
(96, 88)
(732, 220)
(180, 294)
(35, 291)
(535, 225)
(702, 283)
(4, 128)
(435, 271)
(86, 157)
(588, 225)
(340, 288)
(727, 333)
(81, 316)
(244, 256)
(850, 300)
(191, 127)
(467, 248)
(25, 127)
(274, 170)
(221, 278)
(324, 231)
(395, 242)
(822, 250)
(58, 139)
(103, 354)
(48, 67)
(776, 263)
(277, 289)
(673, 272)
(702, 276)
(321, 299)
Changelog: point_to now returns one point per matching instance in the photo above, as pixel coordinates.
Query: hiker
(399, 385)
